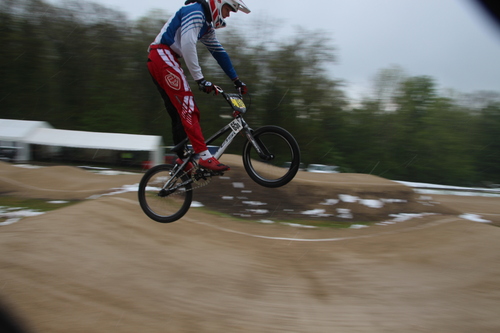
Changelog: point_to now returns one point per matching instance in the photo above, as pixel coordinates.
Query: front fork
(259, 146)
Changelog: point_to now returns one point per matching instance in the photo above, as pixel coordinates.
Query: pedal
(215, 173)
(204, 174)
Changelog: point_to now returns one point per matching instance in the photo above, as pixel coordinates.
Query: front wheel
(161, 202)
(281, 161)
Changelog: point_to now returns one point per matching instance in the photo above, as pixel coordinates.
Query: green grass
(35, 204)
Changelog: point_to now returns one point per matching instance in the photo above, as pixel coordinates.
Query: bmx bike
(271, 157)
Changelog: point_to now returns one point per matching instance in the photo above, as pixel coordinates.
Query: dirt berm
(311, 196)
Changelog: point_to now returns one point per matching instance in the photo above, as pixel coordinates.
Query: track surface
(102, 266)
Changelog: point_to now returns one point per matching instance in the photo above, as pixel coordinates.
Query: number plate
(237, 103)
(236, 125)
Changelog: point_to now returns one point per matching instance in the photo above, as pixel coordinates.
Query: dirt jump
(249, 259)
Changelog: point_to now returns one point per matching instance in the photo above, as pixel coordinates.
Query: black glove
(242, 88)
(206, 86)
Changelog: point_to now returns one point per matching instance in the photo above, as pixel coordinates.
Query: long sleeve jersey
(184, 29)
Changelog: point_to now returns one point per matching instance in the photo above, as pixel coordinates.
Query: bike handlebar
(219, 90)
(234, 100)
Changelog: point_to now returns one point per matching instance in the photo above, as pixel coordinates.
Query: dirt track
(102, 266)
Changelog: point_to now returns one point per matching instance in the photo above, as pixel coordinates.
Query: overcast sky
(449, 40)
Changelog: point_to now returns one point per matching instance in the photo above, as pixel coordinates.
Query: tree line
(82, 66)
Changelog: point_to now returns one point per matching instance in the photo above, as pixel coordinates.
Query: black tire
(157, 203)
(285, 161)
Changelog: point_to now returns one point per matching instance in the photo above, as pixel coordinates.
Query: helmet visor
(239, 5)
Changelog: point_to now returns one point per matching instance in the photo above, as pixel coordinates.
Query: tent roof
(80, 139)
(15, 130)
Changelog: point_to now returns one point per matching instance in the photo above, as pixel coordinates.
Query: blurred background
(403, 90)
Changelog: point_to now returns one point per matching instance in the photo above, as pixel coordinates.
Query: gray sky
(449, 40)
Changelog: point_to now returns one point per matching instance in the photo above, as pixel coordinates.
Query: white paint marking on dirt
(428, 225)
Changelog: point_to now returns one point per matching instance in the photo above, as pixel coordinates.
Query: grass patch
(35, 204)
(209, 211)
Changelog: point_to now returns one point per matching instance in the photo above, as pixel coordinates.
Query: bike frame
(236, 126)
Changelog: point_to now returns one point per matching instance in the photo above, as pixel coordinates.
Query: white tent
(98, 140)
(41, 133)
(13, 133)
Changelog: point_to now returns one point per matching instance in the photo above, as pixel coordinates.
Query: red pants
(165, 68)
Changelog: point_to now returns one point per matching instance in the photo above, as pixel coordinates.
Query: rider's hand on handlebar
(206, 86)
(242, 88)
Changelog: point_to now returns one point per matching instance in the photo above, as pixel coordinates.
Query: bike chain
(197, 183)
(201, 182)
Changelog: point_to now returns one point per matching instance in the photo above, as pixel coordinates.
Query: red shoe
(188, 168)
(213, 164)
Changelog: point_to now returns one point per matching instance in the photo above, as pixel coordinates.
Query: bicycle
(271, 157)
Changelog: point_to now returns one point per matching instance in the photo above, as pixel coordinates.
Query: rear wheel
(282, 159)
(164, 204)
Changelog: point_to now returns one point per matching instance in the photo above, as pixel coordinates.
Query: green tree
(488, 148)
